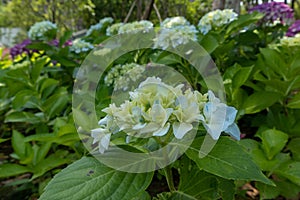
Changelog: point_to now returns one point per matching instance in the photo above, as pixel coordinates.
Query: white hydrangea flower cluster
(79, 46)
(40, 30)
(289, 41)
(121, 75)
(135, 27)
(114, 29)
(175, 31)
(216, 19)
(174, 22)
(157, 109)
(175, 36)
(103, 23)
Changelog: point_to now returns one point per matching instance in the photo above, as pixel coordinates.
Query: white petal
(104, 143)
(180, 129)
(163, 131)
(234, 131)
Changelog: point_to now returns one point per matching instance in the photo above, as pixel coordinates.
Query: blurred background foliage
(79, 15)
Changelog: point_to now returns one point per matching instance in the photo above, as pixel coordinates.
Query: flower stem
(169, 177)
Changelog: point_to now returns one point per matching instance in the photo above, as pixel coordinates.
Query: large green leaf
(273, 141)
(228, 160)
(290, 170)
(260, 158)
(198, 184)
(259, 101)
(89, 179)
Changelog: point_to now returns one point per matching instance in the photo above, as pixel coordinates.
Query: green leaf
(4, 140)
(37, 68)
(241, 77)
(18, 144)
(7, 170)
(242, 21)
(26, 117)
(274, 61)
(47, 86)
(39, 46)
(227, 160)
(259, 101)
(291, 171)
(56, 103)
(294, 102)
(273, 141)
(87, 178)
(209, 43)
(198, 184)
(293, 146)
(25, 99)
(52, 161)
(287, 189)
(267, 191)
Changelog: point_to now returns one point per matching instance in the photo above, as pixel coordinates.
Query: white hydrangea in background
(174, 22)
(216, 19)
(79, 46)
(288, 41)
(114, 29)
(120, 76)
(175, 36)
(175, 31)
(103, 23)
(135, 27)
(40, 30)
(158, 109)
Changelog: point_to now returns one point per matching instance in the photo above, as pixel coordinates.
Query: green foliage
(96, 181)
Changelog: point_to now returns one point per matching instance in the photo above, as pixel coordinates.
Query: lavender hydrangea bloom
(293, 29)
(20, 48)
(275, 11)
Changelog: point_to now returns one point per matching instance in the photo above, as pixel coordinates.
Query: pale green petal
(180, 129)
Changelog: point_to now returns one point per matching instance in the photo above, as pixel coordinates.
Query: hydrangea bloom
(121, 75)
(216, 19)
(275, 11)
(41, 30)
(135, 27)
(293, 29)
(19, 49)
(158, 109)
(174, 22)
(288, 41)
(175, 36)
(80, 46)
(103, 23)
(113, 29)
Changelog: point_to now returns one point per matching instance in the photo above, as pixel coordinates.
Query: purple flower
(275, 11)
(293, 29)
(55, 43)
(18, 49)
